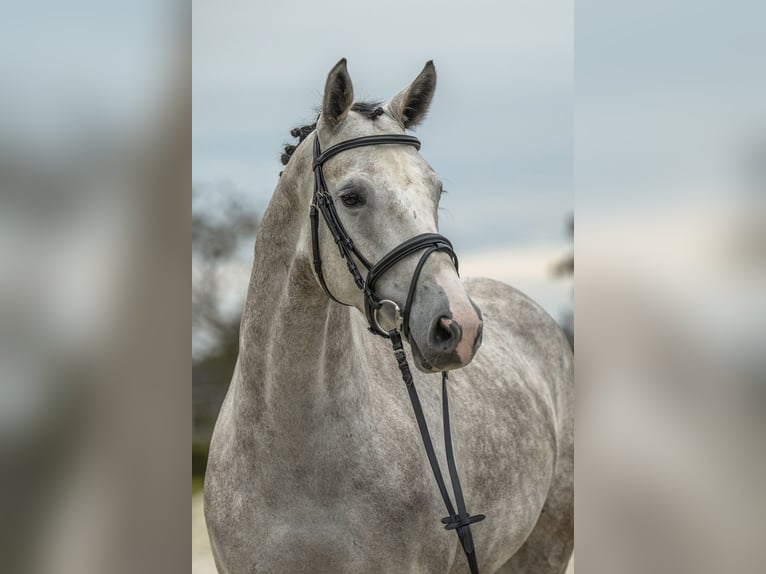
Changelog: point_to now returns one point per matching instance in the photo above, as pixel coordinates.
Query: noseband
(429, 243)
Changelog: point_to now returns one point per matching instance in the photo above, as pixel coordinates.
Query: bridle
(428, 243)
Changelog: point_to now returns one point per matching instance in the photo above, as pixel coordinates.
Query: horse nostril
(442, 333)
(445, 334)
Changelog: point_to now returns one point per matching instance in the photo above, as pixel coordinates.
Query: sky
(499, 132)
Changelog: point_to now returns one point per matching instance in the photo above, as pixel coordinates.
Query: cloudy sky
(500, 130)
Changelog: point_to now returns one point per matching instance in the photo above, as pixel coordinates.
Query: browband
(361, 142)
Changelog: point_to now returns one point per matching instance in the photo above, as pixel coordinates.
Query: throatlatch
(458, 518)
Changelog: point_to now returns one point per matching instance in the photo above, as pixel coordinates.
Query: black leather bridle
(429, 243)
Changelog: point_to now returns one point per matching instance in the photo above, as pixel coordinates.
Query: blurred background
(499, 134)
(670, 156)
(95, 168)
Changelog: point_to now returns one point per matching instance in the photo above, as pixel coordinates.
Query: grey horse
(316, 462)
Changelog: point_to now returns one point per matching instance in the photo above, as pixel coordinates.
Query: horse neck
(294, 342)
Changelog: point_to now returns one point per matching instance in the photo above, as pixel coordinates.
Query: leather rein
(458, 518)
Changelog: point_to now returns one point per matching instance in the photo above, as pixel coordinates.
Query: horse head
(382, 196)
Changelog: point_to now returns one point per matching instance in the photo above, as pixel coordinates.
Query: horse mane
(371, 109)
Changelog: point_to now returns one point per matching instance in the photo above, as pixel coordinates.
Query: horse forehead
(360, 124)
(397, 164)
(402, 165)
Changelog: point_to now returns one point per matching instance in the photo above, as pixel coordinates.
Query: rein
(458, 518)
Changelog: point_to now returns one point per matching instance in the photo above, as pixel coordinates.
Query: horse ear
(410, 106)
(338, 94)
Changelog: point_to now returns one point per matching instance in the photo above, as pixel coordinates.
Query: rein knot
(462, 526)
(455, 521)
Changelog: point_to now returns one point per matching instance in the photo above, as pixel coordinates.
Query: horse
(316, 463)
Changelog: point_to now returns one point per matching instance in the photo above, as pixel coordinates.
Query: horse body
(316, 463)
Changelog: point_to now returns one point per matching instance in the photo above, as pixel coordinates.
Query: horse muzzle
(450, 343)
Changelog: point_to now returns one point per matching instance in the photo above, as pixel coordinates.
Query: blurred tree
(223, 232)
(218, 235)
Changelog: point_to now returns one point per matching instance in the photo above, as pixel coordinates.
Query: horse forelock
(371, 109)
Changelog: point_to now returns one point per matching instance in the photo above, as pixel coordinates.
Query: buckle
(387, 316)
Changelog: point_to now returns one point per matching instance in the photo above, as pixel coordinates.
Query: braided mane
(371, 109)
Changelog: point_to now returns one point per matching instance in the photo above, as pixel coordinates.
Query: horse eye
(351, 199)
